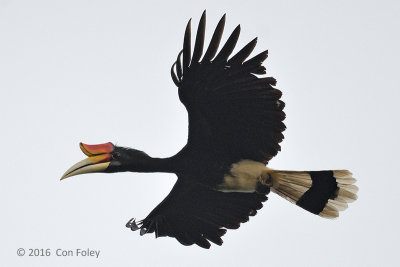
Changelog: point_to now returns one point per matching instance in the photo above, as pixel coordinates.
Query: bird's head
(107, 158)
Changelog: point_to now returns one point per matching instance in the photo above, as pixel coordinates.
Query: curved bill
(98, 160)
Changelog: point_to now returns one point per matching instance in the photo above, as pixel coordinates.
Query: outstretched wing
(233, 115)
(231, 111)
(195, 214)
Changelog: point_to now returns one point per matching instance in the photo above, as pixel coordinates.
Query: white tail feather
(340, 206)
(344, 195)
(292, 185)
(329, 213)
(351, 188)
(245, 175)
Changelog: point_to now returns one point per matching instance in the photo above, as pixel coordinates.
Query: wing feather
(179, 66)
(243, 53)
(227, 49)
(187, 48)
(173, 75)
(215, 40)
(199, 44)
(195, 214)
(230, 108)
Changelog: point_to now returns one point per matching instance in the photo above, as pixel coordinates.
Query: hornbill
(235, 127)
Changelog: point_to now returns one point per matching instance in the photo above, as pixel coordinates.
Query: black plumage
(233, 115)
(235, 128)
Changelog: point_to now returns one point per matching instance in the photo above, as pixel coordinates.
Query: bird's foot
(132, 224)
(264, 183)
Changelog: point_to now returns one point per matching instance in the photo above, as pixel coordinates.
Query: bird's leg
(132, 224)
(264, 183)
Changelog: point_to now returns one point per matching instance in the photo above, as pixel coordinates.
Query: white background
(98, 71)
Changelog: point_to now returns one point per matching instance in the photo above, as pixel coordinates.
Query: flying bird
(235, 119)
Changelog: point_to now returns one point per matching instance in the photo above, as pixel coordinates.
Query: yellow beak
(97, 161)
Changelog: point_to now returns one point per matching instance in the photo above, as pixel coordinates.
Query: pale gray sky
(98, 71)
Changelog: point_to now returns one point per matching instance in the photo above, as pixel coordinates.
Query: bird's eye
(116, 155)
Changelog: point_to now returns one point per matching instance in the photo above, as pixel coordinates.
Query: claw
(132, 224)
(143, 231)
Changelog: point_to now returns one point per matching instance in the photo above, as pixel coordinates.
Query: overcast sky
(98, 71)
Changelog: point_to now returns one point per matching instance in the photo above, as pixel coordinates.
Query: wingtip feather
(187, 46)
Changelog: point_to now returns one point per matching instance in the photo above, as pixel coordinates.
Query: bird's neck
(150, 164)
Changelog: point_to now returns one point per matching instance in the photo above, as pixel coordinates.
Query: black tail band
(324, 187)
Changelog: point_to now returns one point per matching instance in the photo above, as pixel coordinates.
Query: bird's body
(235, 127)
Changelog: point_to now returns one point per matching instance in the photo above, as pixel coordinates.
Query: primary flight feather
(235, 128)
